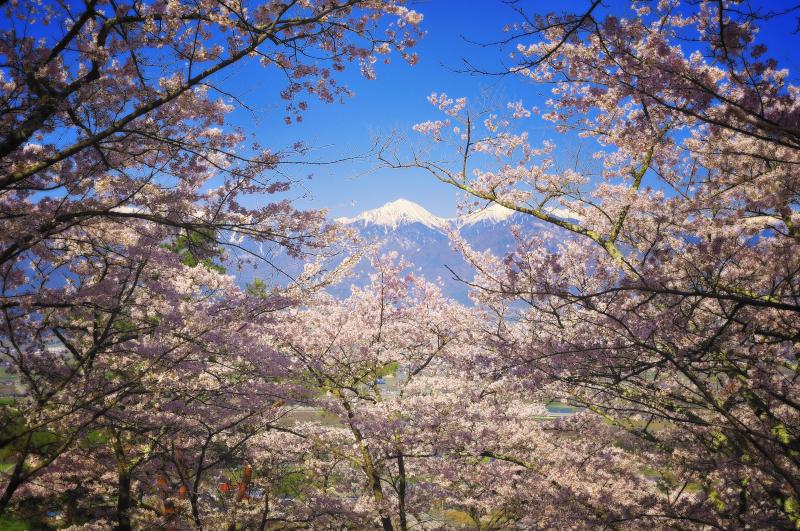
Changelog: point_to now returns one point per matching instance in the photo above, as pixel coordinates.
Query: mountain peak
(398, 212)
(492, 213)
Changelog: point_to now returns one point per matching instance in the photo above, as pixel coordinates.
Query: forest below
(633, 363)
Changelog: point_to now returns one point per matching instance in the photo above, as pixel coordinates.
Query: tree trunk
(266, 511)
(123, 499)
(195, 510)
(401, 491)
(368, 465)
(16, 476)
(12, 486)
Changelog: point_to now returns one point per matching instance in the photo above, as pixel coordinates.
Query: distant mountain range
(423, 240)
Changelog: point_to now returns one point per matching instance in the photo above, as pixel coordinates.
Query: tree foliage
(661, 306)
(665, 298)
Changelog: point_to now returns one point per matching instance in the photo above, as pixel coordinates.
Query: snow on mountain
(493, 213)
(422, 239)
(399, 212)
(403, 212)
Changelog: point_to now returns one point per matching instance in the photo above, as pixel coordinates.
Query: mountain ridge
(424, 240)
(402, 211)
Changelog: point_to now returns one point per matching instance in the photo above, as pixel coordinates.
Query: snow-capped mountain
(423, 238)
(420, 237)
(493, 213)
(404, 212)
(396, 213)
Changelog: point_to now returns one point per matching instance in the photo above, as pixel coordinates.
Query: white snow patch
(403, 212)
(399, 212)
(493, 213)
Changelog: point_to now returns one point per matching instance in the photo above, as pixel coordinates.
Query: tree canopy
(147, 387)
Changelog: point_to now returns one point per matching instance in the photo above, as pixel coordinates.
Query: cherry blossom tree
(420, 427)
(664, 299)
(663, 304)
(122, 195)
(182, 381)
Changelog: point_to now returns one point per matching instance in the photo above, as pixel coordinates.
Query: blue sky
(393, 102)
(397, 100)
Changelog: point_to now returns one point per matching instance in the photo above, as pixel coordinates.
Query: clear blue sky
(397, 100)
(393, 102)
